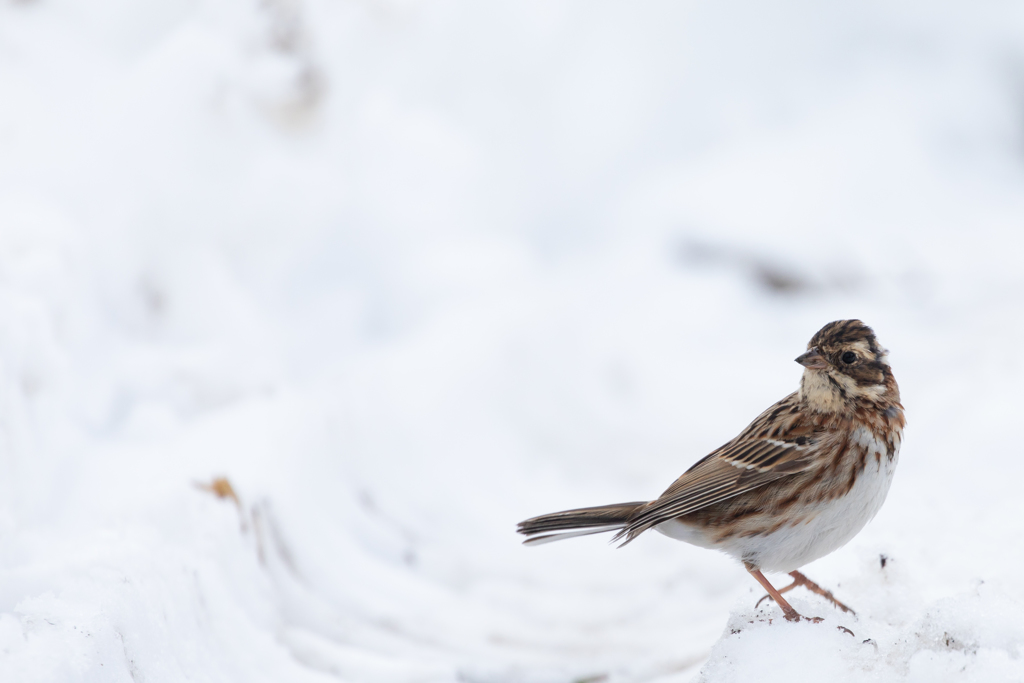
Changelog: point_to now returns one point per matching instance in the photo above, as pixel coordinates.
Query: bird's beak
(813, 360)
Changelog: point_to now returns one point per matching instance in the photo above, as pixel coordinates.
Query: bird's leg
(801, 580)
(787, 609)
(784, 590)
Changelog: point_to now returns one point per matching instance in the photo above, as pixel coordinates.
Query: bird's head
(844, 364)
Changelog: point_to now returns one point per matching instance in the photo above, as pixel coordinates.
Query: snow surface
(409, 272)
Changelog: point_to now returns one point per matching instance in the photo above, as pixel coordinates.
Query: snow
(405, 273)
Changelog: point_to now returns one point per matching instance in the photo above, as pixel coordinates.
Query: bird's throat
(822, 393)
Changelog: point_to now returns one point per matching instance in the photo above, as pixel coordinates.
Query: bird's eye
(849, 357)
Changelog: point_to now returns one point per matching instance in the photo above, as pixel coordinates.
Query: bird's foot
(793, 615)
(801, 580)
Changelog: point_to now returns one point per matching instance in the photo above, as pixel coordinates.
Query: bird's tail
(581, 522)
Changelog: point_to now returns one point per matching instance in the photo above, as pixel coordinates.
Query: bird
(795, 485)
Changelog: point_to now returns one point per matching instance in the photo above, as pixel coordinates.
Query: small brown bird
(799, 482)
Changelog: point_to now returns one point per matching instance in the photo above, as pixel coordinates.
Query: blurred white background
(407, 272)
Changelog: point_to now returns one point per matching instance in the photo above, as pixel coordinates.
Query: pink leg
(787, 609)
(801, 580)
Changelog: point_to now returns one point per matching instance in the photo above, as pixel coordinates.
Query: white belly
(827, 527)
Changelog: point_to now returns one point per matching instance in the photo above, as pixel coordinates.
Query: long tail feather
(581, 522)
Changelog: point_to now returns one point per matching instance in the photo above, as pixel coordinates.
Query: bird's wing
(779, 443)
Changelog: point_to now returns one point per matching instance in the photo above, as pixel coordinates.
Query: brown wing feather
(775, 445)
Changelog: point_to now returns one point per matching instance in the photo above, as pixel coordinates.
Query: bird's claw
(796, 616)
